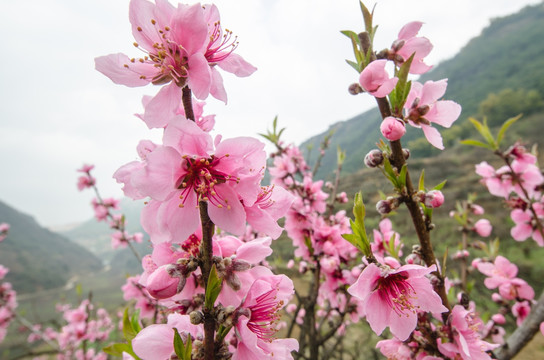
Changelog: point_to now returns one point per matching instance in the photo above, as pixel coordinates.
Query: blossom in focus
(375, 80)
(394, 297)
(422, 108)
(434, 199)
(181, 47)
(408, 43)
(187, 169)
(256, 320)
(392, 128)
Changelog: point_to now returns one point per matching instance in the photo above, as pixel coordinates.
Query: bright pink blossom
(526, 225)
(502, 274)
(392, 128)
(423, 108)
(375, 80)
(521, 310)
(393, 298)
(434, 199)
(181, 47)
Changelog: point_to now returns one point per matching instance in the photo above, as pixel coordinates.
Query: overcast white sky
(57, 112)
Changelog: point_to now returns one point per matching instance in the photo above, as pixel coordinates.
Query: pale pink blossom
(408, 43)
(181, 47)
(434, 199)
(423, 108)
(393, 298)
(521, 310)
(392, 128)
(483, 227)
(375, 80)
(466, 343)
(502, 274)
(526, 226)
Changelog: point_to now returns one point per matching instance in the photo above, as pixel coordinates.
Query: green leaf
(440, 186)
(389, 172)
(400, 93)
(475, 143)
(308, 243)
(354, 65)
(421, 185)
(505, 127)
(135, 320)
(402, 176)
(183, 351)
(117, 349)
(483, 129)
(213, 289)
(350, 34)
(340, 156)
(367, 16)
(128, 331)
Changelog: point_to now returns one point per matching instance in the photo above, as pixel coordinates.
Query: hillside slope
(38, 258)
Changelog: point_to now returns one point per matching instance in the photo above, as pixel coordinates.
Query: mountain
(504, 59)
(38, 258)
(96, 237)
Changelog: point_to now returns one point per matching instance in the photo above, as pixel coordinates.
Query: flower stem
(206, 248)
(422, 230)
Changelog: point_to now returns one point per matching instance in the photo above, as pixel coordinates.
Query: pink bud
(290, 264)
(477, 209)
(375, 80)
(392, 128)
(496, 297)
(434, 199)
(161, 285)
(483, 227)
(498, 319)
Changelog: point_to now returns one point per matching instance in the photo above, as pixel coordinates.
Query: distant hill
(96, 237)
(38, 258)
(507, 55)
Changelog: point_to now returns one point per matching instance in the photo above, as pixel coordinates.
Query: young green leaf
(128, 331)
(213, 289)
(505, 127)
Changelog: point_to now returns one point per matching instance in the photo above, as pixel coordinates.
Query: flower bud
(498, 319)
(197, 317)
(392, 128)
(355, 89)
(384, 207)
(477, 209)
(406, 153)
(374, 158)
(483, 227)
(434, 199)
(161, 285)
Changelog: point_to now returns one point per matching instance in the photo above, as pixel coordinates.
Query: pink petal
(216, 88)
(180, 222)
(418, 67)
(231, 218)
(415, 92)
(262, 222)
(158, 179)
(433, 136)
(140, 14)
(433, 90)
(520, 216)
(150, 224)
(113, 66)
(402, 325)
(366, 282)
(255, 251)
(155, 342)
(444, 113)
(162, 106)
(410, 30)
(235, 64)
(421, 46)
(521, 232)
(185, 136)
(385, 88)
(378, 313)
(200, 77)
(189, 28)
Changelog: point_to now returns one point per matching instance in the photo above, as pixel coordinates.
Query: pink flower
(526, 225)
(375, 80)
(423, 108)
(521, 310)
(408, 43)
(156, 342)
(4, 228)
(181, 47)
(434, 199)
(272, 203)
(466, 341)
(392, 128)
(483, 227)
(187, 170)
(502, 274)
(256, 320)
(393, 298)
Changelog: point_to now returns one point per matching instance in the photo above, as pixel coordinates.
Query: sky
(58, 113)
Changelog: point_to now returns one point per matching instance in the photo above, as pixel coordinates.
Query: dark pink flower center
(265, 316)
(202, 177)
(396, 292)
